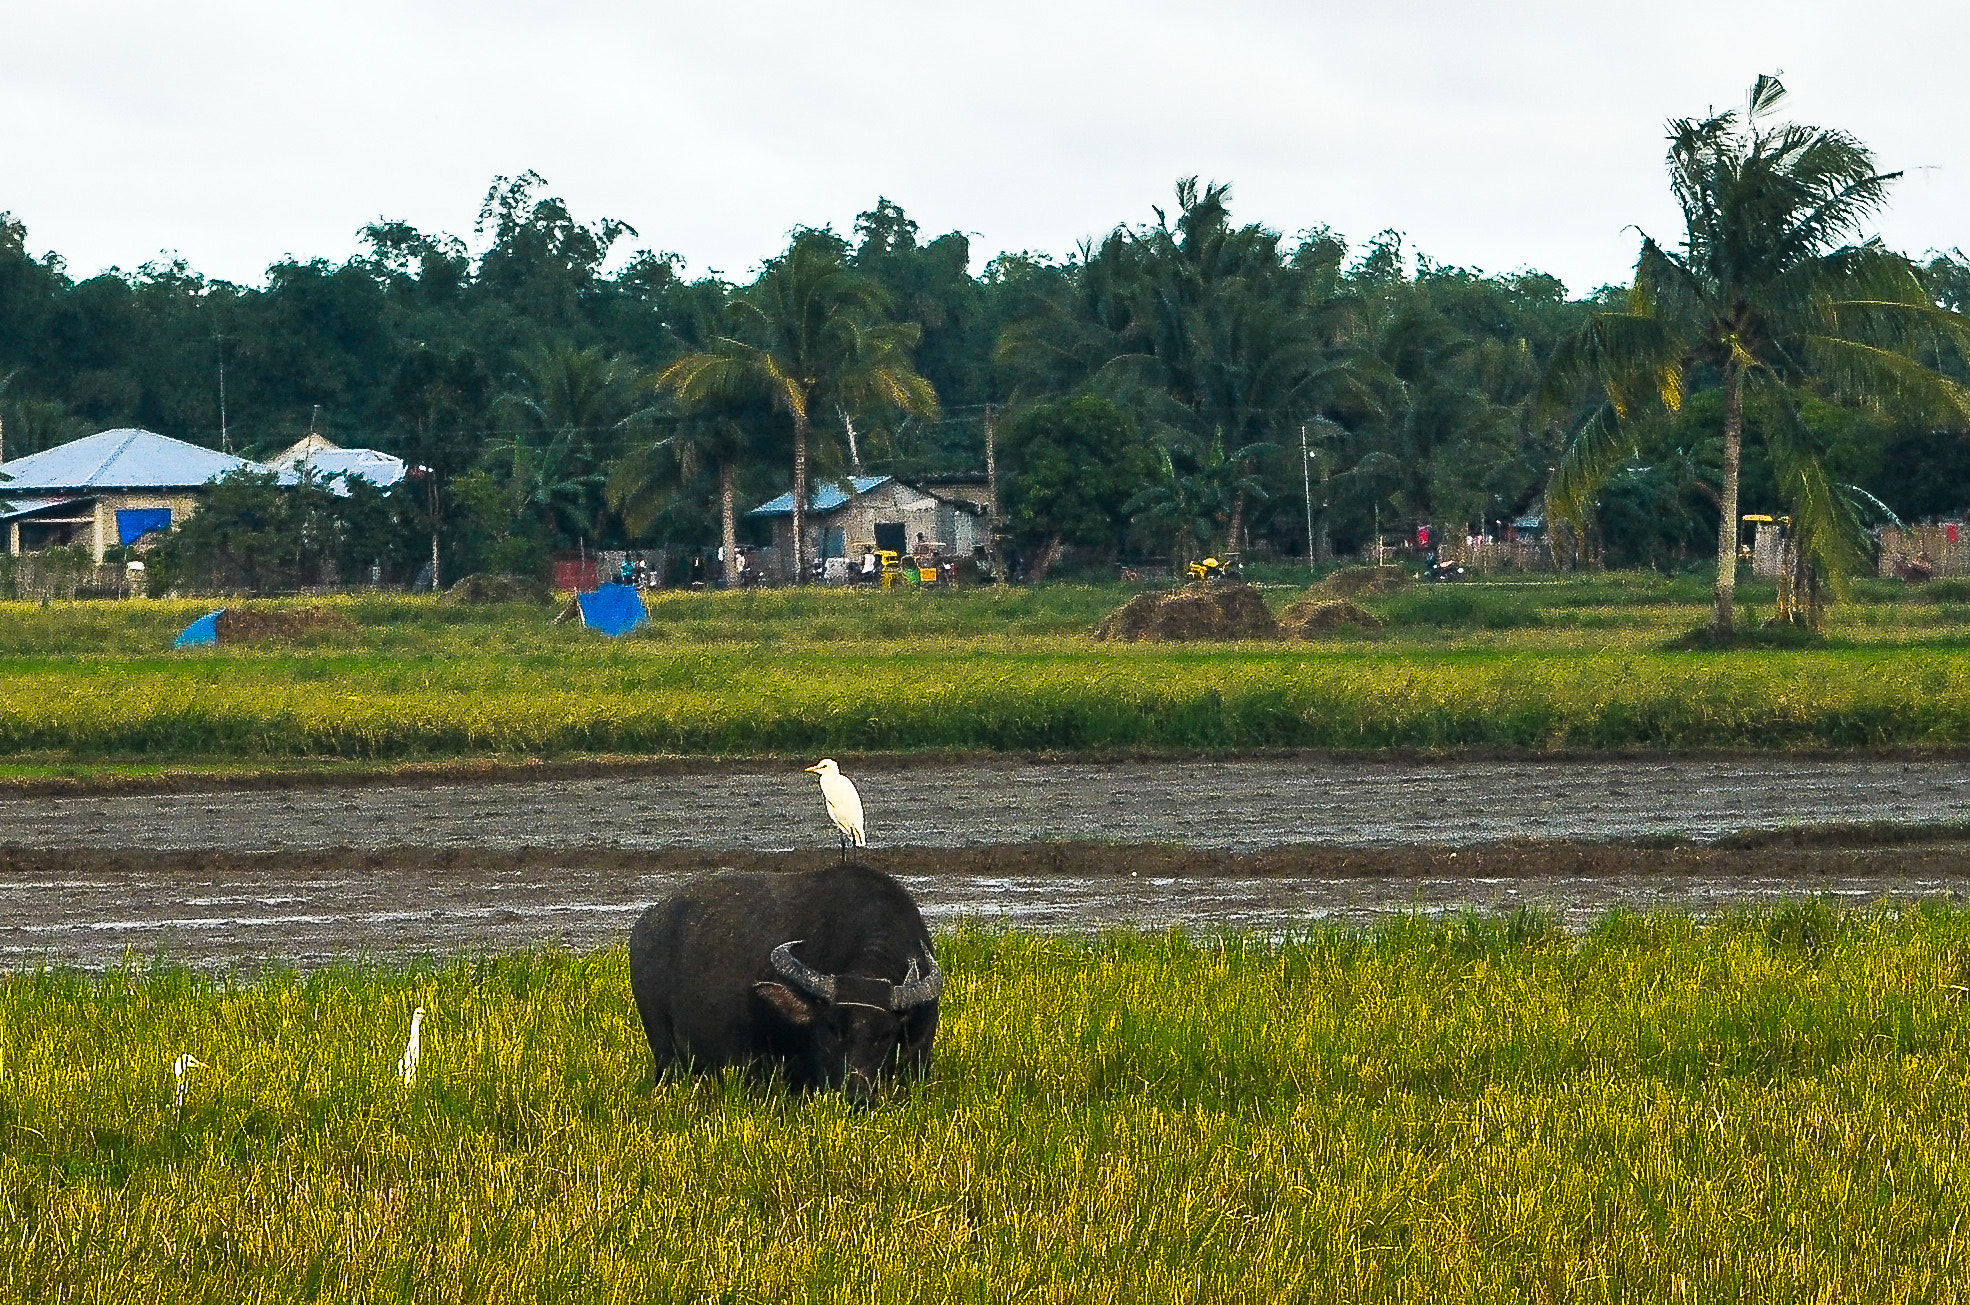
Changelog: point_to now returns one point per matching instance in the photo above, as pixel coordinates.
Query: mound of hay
(481, 587)
(1131, 620)
(249, 624)
(1353, 581)
(1310, 620)
(1206, 611)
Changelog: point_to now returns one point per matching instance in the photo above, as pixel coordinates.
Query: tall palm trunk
(800, 495)
(728, 522)
(1237, 523)
(1720, 613)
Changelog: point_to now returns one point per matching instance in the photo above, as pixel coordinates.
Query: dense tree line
(1152, 391)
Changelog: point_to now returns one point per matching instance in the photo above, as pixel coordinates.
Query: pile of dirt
(1309, 619)
(1354, 581)
(482, 587)
(1211, 610)
(260, 624)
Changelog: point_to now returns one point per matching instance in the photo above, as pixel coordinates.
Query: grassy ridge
(1764, 1107)
(1528, 666)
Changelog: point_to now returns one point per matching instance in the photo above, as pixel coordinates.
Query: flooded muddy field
(1239, 805)
(304, 876)
(95, 908)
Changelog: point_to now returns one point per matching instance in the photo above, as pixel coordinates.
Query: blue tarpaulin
(205, 630)
(613, 609)
(133, 524)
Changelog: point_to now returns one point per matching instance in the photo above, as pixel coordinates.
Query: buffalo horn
(801, 975)
(914, 991)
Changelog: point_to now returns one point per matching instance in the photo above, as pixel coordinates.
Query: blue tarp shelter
(613, 609)
(200, 633)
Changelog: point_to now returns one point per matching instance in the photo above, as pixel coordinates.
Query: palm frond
(1597, 450)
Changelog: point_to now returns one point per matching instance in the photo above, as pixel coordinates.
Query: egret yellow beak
(811, 769)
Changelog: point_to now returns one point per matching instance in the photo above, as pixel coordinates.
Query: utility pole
(992, 494)
(225, 438)
(1306, 487)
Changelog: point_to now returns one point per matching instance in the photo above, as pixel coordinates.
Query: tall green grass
(869, 697)
(1518, 666)
(1768, 1107)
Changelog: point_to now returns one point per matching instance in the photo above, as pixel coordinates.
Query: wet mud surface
(305, 876)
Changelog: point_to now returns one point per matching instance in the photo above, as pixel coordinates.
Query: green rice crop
(1516, 666)
(1766, 1107)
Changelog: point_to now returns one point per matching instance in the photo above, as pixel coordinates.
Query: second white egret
(844, 803)
(407, 1064)
(178, 1068)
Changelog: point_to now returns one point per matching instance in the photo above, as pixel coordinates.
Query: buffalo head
(854, 1027)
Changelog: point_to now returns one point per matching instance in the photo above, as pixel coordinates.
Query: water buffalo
(825, 974)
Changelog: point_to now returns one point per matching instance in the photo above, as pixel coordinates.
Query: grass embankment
(1768, 1107)
(1576, 665)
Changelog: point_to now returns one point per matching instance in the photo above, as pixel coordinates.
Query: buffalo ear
(790, 1005)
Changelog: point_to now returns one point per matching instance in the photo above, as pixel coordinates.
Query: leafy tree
(1200, 495)
(572, 407)
(1764, 298)
(1071, 466)
(653, 479)
(254, 535)
(440, 404)
(807, 333)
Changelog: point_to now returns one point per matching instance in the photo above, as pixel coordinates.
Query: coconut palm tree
(654, 478)
(1768, 294)
(808, 332)
(572, 406)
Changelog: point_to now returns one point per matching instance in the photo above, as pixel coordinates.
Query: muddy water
(300, 877)
(1238, 805)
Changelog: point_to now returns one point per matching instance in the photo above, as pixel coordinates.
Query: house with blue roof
(123, 486)
(944, 516)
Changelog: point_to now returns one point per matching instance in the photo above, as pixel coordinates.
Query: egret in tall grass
(407, 1063)
(178, 1068)
(844, 803)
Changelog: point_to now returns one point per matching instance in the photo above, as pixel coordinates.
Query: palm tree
(572, 404)
(1200, 494)
(806, 333)
(1764, 296)
(649, 480)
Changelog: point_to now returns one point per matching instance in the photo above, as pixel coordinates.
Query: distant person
(868, 566)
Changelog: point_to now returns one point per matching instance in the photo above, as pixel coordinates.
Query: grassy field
(1576, 664)
(1766, 1107)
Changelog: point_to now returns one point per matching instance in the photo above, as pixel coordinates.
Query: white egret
(407, 1063)
(178, 1068)
(844, 803)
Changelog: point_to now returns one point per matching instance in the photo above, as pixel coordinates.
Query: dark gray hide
(853, 998)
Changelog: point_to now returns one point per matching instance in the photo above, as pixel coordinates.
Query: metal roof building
(845, 514)
(329, 461)
(118, 459)
(115, 486)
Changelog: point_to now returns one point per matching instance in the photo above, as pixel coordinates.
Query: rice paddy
(1558, 665)
(1766, 1106)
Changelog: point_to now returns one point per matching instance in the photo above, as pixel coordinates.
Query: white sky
(1496, 135)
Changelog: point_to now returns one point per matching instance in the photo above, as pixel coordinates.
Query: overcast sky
(1495, 135)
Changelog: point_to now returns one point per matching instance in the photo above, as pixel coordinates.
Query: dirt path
(301, 876)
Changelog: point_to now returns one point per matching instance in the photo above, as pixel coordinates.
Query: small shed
(950, 515)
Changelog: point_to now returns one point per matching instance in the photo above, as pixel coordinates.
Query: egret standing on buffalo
(844, 803)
